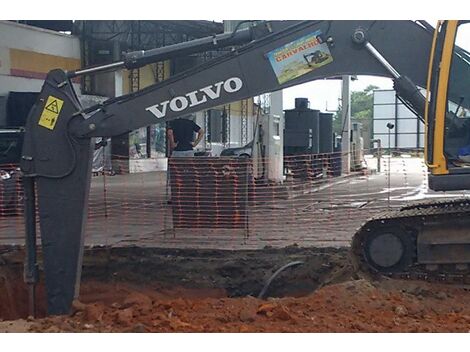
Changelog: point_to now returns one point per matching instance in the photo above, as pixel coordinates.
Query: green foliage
(362, 103)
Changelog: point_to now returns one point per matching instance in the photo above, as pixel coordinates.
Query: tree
(362, 103)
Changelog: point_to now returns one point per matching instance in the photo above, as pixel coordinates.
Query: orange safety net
(11, 205)
(233, 203)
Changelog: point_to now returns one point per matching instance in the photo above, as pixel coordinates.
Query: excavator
(426, 241)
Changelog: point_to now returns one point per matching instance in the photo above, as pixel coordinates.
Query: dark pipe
(273, 276)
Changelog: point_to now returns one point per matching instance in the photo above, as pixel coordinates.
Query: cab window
(457, 125)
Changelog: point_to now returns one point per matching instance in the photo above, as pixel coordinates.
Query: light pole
(390, 126)
(346, 123)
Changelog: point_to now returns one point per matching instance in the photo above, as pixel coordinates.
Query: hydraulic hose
(273, 276)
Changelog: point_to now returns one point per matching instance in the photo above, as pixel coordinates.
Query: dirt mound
(213, 291)
(355, 306)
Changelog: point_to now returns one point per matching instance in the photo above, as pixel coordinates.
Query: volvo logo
(197, 97)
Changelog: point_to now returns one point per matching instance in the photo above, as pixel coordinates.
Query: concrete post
(118, 89)
(120, 144)
(275, 139)
(346, 123)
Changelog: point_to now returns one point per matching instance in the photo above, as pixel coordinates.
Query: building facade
(27, 54)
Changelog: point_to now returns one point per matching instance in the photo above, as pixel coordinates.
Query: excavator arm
(260, 67)
(57, 149)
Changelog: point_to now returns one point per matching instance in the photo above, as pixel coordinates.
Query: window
(457, 125)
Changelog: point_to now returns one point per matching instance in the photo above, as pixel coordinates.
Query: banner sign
(299, 57)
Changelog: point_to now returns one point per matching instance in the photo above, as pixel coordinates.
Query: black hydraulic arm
(140, 58)
(57, 148)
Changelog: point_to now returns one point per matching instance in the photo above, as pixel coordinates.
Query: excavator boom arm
(273, 62)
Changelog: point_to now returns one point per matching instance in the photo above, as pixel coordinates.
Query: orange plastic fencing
(230, 203)
(11, 205)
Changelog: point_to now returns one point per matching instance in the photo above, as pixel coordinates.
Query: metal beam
(346, 123)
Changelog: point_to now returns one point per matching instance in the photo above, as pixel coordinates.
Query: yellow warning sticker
(51, 112)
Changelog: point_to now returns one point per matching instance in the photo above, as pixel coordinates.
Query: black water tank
(301, 131)
(326, 133)
(301, 103)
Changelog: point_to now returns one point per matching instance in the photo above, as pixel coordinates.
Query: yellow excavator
(431, 240)
(424, 241)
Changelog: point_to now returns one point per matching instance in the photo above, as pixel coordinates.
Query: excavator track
(386, 245)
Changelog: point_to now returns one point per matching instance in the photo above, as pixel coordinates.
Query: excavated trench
(14, 294)
(230, 273)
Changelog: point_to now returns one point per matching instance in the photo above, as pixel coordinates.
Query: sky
(324, 95)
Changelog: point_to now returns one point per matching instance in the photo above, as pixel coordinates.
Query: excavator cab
(430, 240)
(448, 110)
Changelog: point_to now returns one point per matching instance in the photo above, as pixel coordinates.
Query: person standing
(181, 137)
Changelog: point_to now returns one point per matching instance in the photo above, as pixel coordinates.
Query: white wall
(19, 84)
(37, 40)
(387, 108)
(19, 36)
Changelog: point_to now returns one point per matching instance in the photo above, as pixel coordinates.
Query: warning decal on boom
(51, 112)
